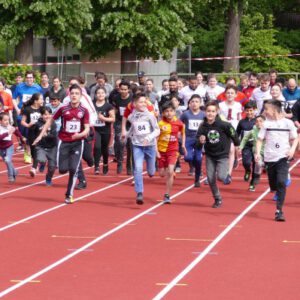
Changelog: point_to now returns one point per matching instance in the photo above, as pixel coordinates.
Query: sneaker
(11, 179)
(32, 172)
(69, 200)
(20, 148)
(167, 199)
(252, 188)
(105, 169)
(275, 198)
(247, 176)
(206, 182)
(235, 163)
(139, 199)
(97, 171)
(27, 158)
(119, 168)
(217, 204)
(48, 182)
(177, 170)
(197, 184)
(191, 171)
(227, 180)
(42, 167)
(81, 185)
(279, 217)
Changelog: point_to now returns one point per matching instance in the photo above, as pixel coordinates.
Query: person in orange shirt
(167, 145)
(8, 105)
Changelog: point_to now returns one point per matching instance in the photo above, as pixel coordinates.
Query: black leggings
(101, 147)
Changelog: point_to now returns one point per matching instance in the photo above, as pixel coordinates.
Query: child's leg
(104, 148)
(150, 157)
(247, 158)
(272, 176)
(138, 154)
(51, 157)
(197, 163)
(7, 157)
(211, 168)
(231, 158)
(282, 169)
(97, 148)
(170, 178)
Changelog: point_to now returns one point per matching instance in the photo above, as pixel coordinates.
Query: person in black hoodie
(216, 136)
(46, 149)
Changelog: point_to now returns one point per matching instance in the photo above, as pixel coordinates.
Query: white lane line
(18, 168)
(88, 245)
(210, 247)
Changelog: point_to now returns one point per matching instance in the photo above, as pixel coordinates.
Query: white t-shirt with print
(259, 97)
(231, 113)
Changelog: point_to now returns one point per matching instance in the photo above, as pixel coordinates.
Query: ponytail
(33, 98)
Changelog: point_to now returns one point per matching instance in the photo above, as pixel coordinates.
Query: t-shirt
(100, 126)
(213, 93)
(231, 113)
(259, 97)
(169, 131)
(192, 122)
(186, 93)
(120, 106)
(73, 121)
(24, 92)
(277, 135)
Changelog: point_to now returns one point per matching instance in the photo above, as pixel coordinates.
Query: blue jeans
(7, 154)
(193, 156)
(139, 154)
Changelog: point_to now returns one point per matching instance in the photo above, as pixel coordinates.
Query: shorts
(167, 158)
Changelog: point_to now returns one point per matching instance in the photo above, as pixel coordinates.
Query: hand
(184, 150)
(123, 135)
(290, 154)
(11, 130)
(145, 142)
(202, 139)
(257, 157)
(31, 124)
(76, 136)
(101, 117)
(36, 141)
(240, 151)
(158, 154)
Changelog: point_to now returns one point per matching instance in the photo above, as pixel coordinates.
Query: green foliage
(61, 21)
(152, 28)
(289, 39)
(9, 73)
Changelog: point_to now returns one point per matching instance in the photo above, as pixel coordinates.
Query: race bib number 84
(142, 128)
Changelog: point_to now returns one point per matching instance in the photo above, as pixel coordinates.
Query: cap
(141, 74)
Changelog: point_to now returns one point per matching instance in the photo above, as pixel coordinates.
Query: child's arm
(43, 131)
(257, 155)
(110, 119)
(155, 133)
(291, 152)
(231, 133)
(183, 138)
(246, 139)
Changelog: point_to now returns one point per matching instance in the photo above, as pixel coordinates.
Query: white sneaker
(32, 172)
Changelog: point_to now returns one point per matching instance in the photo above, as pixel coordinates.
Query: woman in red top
(6, 97)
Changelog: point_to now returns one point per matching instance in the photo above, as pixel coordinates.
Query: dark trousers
(47, 154)
(101, 147)
(248, 159)
(87, 156)
(33, 155)
(278, 174)
(194, 156)
(69, 156)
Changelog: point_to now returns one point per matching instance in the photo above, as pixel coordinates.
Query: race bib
(142, 128)
(73, 126)
(122, 110)
(99, 123)
(34, 117)
(26, 97)
(194, 124)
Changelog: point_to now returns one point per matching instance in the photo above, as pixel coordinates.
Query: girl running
(31, 112)
(7, 146)
(106, 116)
(193, 118)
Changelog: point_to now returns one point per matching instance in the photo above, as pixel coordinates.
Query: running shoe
(97, 171)
(42, 167)
(32, 172)
(217, 204)
(69, 200)
(228, 180)
(252, 188)
(167, 199)
(48, 182)
(247, 176)
(206, 182)
(81, 185)
(105, 169)
(139, 199)
(191, 171)
(177, 170)
(27, 158)
(279, 217)
(11, 179)
(197, 184)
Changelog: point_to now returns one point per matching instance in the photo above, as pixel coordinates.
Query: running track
(106, 247)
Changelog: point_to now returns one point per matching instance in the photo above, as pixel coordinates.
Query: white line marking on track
(88, 245)
(18, 168)
(208, 249)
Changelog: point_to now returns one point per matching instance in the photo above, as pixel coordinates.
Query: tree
(151, 28)
(61, 21)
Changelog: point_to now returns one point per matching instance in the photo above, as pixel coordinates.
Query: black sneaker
(81, 185)
(252, 188)
(105, 169)
(97, 171)
(119, 168)
(247, 176)
(279, 217)
(217, 204)
(228, 180)
(167, 199)
(197, 184)
(139, 199)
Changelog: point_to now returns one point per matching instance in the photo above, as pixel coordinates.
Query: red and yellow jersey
(169, 132)
(130, 107)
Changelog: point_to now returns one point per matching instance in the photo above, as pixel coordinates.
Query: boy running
(277, 133)
(143, 133)
(216, 136)
(167, 145)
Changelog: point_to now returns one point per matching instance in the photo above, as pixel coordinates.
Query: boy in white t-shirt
(277, 133)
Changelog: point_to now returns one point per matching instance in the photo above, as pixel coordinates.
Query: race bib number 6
(73, 126)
